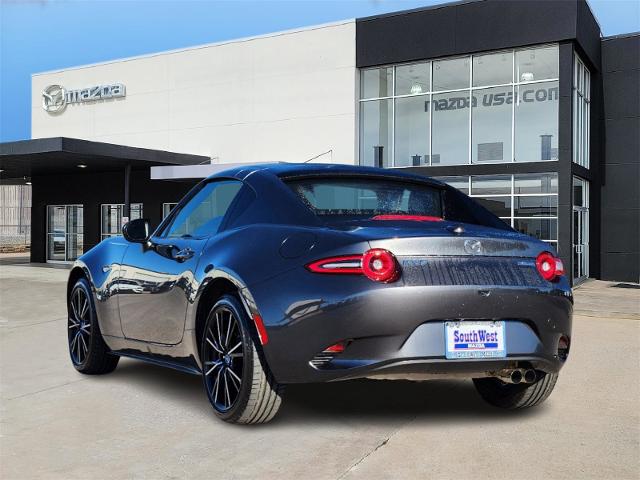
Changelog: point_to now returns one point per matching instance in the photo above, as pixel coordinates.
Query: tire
(89, 354)
(510, 396)
(239, 385)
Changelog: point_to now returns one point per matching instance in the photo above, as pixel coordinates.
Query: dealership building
(524, 106)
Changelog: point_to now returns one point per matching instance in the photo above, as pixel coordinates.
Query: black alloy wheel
(236, 377)
(79, 326)
(89, 354)
(223, 359)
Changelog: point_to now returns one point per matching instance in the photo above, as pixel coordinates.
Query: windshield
(354, 197)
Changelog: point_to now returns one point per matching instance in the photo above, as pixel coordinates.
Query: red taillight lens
(378, 264)
(549, 267)
(350, 264)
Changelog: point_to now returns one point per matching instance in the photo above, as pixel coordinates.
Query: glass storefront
(581, 112)
(111, 218)
(64, 232)
(489, 108)
(528, 202)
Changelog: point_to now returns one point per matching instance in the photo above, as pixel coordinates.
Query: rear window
(355, 197)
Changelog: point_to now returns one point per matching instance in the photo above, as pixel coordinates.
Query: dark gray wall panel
(620, 193)
(621, 267)
(475, 26)
(623, 140)
(620, 224)
(621, 93)
(615, 58)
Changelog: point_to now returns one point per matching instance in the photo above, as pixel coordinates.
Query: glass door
(64, 232)
(580, 243)
(580, 229)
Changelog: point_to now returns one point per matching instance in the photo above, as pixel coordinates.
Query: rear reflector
(412, 218)
(262, 332)
(377, 264)
(550, 268)
(335, 348)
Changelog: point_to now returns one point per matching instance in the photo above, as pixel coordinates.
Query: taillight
(549, 267)
(377, 264)
(380, 265)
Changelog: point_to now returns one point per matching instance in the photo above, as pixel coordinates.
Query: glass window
(543, 229)
(412, 131)
(376, 82)
(491, 113)
(581, 112)
(112, 218)
(536, 183)
(461, 183)
(492, 69)
(413, 79)
(167, 208)
(370, 197)
(65, 232)
(536, 122)
(376, 120)
(506, 106)
(499, 206)
(533, 197)
(451, 74)
(450, 131)
(580, 193)
(491, 185)
(535, 64)
(203, 213)
(534, 206)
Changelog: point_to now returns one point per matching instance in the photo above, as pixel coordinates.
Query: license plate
(475, 339)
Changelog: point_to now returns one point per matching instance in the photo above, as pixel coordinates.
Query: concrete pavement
(143, 421)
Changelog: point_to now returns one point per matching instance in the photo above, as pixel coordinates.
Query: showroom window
(167, 208)
(112, 218)
(490, 108)
(528, 202)
(581, 112)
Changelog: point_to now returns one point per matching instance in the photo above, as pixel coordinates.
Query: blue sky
(41, 35)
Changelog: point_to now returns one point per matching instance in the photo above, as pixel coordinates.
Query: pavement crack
(45, 389)
(375, 449)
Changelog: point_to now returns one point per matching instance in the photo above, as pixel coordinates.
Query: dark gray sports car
(274, 274)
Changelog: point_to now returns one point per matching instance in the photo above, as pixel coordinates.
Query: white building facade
(287, 96)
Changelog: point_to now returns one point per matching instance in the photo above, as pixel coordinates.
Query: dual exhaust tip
(520, 375)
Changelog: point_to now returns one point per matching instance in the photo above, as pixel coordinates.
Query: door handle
(183, 255)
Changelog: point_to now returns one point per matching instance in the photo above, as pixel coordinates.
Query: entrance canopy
(45, 156)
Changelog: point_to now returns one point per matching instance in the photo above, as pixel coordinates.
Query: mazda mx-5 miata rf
(268, 275)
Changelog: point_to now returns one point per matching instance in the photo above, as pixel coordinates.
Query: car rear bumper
(398, 330)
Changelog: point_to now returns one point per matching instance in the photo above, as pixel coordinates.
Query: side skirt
(186, 365)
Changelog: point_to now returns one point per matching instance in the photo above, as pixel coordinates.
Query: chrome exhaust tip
(515, 377)
(530, 376)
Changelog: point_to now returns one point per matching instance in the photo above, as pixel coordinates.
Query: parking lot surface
(143, 421)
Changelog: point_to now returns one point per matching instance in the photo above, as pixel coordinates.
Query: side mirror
(136, 231)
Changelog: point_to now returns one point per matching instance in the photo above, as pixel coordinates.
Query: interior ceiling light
(416, 88)
(81, 165)
(27, 183)
(527, 77)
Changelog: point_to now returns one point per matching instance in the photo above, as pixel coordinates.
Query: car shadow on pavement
(377, 401)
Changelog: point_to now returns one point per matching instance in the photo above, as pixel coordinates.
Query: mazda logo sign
(54, 99)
